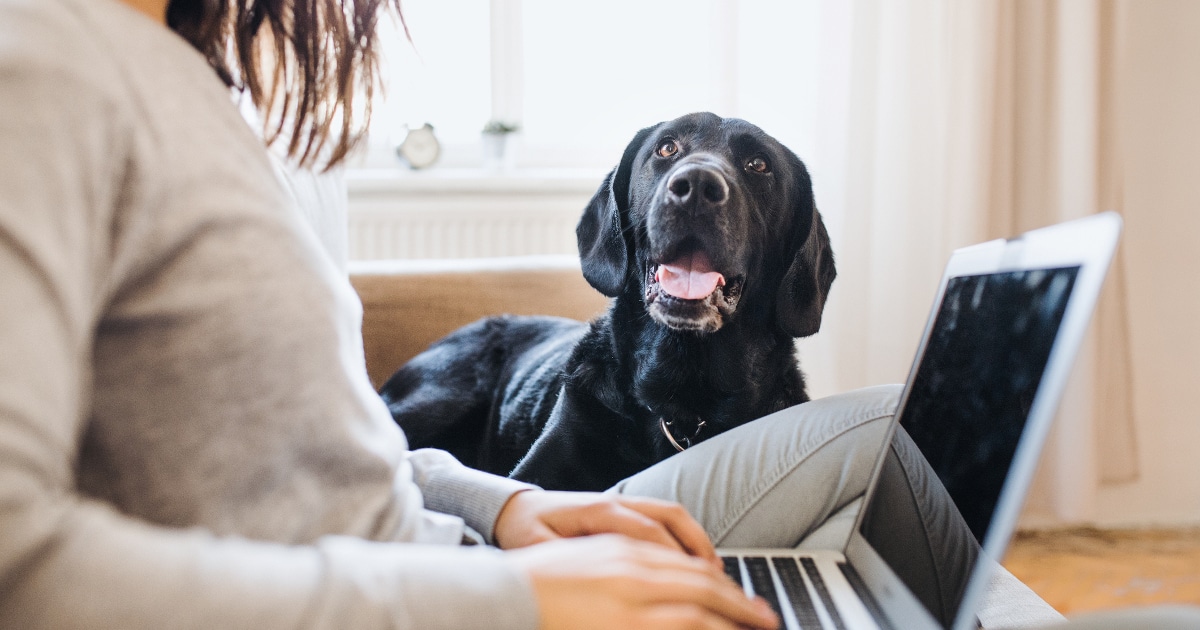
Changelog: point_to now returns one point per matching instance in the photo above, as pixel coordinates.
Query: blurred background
(927, 125)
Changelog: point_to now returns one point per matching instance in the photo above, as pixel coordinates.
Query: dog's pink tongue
(689, 278)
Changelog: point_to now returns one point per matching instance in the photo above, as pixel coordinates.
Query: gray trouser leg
(777, 480)
(796, 478)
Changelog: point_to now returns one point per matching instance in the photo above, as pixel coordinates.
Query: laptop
(989, 373)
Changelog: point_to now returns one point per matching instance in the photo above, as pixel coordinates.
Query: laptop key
(761, 582)
(733, 569)
(797, 592)
(814, 576)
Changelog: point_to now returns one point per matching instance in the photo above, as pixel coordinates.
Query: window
(580, 78)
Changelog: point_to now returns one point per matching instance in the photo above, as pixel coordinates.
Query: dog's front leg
(583, 446)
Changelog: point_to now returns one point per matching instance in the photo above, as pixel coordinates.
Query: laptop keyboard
(733, 568)
(761, 583)
(814, 576)
(799, 595)
(864, 595)
(797, 592)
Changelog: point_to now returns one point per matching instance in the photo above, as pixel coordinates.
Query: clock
(420, 147)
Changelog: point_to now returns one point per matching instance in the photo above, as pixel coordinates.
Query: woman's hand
(535, 516)
(610, 581)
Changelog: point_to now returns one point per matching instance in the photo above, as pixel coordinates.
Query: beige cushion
(409, 304)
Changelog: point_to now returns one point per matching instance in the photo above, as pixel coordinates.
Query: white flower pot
(498, 151)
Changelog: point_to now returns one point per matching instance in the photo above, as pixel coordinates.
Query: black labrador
(707, 237)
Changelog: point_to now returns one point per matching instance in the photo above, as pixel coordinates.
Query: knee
(877, 399)
(851, 408)
(845, 423)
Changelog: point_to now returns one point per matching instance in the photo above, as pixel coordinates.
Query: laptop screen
(970, 397)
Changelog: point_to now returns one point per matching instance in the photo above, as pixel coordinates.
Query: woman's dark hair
(305, 64)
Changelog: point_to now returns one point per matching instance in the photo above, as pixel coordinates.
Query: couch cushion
(409, 304)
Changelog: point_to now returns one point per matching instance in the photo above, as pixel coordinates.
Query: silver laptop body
(999, 345)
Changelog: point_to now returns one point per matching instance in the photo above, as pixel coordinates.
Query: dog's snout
(698, 184)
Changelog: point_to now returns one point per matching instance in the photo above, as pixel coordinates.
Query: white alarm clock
(420, 147)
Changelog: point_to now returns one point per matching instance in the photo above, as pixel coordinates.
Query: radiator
(459, 234)
(463, 222)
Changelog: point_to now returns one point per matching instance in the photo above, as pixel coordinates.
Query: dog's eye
(758, 165)
(667, 148)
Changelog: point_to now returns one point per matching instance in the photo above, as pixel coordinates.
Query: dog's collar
(687, 440)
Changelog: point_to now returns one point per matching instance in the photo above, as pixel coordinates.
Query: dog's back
(463, 393)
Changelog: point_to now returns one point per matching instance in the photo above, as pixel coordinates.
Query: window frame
(507, 93)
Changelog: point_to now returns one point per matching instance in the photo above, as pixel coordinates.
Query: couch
(409, 304)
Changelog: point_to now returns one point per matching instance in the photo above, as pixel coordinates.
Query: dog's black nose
(694, 183)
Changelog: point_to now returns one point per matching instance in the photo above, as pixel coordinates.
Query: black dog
(707, 236)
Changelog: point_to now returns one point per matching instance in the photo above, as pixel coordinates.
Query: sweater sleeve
(69, 561)
(450, 487)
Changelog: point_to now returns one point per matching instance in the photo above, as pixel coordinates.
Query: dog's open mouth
(686, 293)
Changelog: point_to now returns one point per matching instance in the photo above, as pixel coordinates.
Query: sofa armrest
(409, 304)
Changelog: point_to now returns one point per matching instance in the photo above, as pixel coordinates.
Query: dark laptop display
(968, 404)
(956, 462)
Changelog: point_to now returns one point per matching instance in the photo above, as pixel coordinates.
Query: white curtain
(944, 123)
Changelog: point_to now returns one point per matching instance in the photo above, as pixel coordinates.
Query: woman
(187, 433)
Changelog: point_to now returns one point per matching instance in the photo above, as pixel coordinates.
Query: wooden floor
(1086, 570)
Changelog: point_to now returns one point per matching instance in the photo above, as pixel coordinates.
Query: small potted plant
(498, 151)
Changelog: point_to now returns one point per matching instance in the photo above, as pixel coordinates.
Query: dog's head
(705, 218)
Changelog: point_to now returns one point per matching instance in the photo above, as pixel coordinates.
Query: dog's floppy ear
(603, 246)
(805, 286)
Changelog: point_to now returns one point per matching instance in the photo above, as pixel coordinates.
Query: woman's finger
(683, 616)
(712, 593)
(681, 526)
(612, 581)
(614, 517)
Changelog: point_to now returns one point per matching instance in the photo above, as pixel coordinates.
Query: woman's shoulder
(50, 38)
(93, 47)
